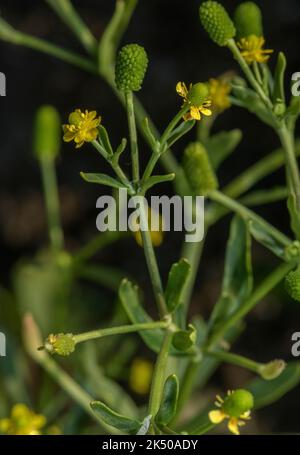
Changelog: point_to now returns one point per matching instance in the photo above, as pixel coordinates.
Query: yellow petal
(181, 89)
(233, 426)
(216, 416)
(205, 111)
(195, 113)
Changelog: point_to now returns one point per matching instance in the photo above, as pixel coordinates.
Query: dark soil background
(178, 50)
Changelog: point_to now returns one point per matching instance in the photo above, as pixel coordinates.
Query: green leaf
(145, 426)
(129, 297)
(177, 278)
(264, 237)
(248, 99)
(155, 180)
(101, 179)
(238, 280)
(104, 140)
(278, 92)
(120, 149)
(221, 145)
(168, 406)
(154, 143)
(112, 36)
(185, 339)
(267, 392)
(114, 419)
(180, 131)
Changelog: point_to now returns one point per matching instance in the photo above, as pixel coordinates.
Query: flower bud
(292, 284)
(272, 370)
(47, 132)
(237, 403)
(217, 22)
(198, 169)
(198, 94)
(131, 66)
(248, 20)
(61, 344)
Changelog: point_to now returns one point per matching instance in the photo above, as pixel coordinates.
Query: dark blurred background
(178, 50)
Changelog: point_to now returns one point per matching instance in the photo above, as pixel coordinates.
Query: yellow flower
(197, 98)
(252, 49)
(140, 376)
(82, 127)
(22, 421)
(235, 407)
(219, 93)
(157, 235)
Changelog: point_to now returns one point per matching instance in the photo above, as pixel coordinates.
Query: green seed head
(217, 22)
(198, 94)
(248, 20)
(237, 403)
(47, 133)
(61, 344)
(131, 66)
(198, 169)
(292, 284)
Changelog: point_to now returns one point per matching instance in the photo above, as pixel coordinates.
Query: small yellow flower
(252, 49)
(197, 98)
(82, 127)
(219, 93)
(140, 376)
(22, 421)
(156, 223)
(235, 407)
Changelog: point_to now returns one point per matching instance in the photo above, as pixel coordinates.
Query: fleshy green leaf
(177, 278)
(266, 239)
(180, 131)
(104, 140)
(114, 419)
(185, 339)
(129, 297)
(167, 409)
(278, 92)
(145, 426)
(238, 280)
(101, 179)
(154, 143)
(221, 145)
(156, 179)
(120, 149)
(267, 392)
(248, 99)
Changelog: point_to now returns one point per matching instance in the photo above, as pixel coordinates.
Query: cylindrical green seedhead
(198, 169)
(198, 94)
(237, 403)
(217, 22)
(248, 20)
(47, 133)
(131, 66)
(292, 284)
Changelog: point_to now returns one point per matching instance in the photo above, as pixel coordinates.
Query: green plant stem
(287, 142)
(272, 280)
(22, 39)
(152, 263)
(115, 166)
(95, 334)
(52, 203)
(163, 144)
(248, 73)
(257, 73)
(235, 359)
(133, 138)
(249, 215)
(99, 242)
(67, 13)
(159, 375)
